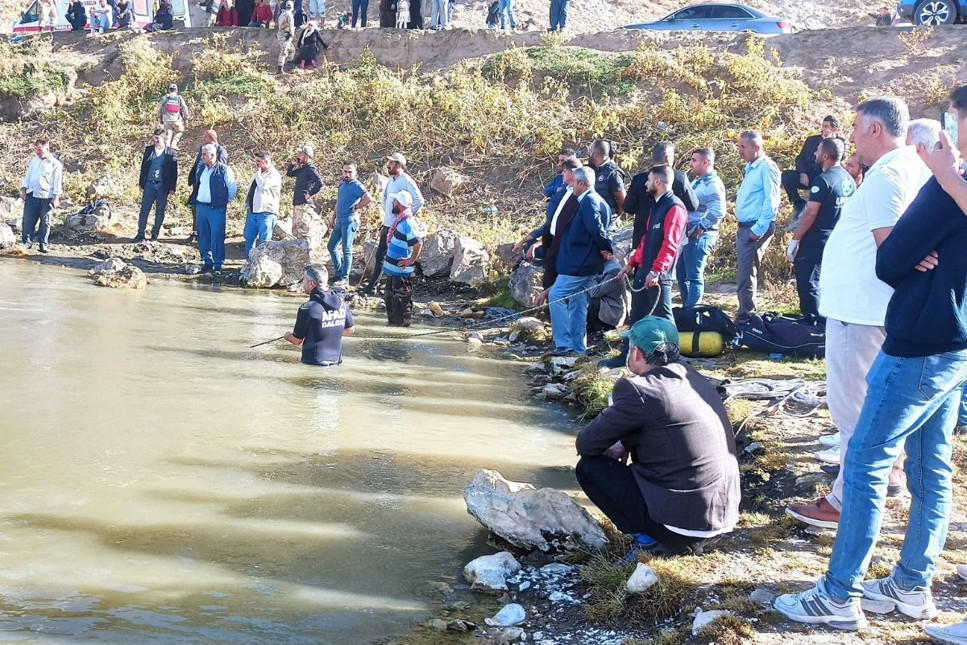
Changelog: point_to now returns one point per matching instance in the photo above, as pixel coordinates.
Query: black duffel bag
(704, 318)
(802, 337)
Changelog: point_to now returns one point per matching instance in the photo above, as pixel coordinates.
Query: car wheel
(935, 12)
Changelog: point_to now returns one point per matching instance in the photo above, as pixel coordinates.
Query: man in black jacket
(807, 168)
(638, 201)
(194, 173)
(681, 491)
(158, 179)
(308, 182)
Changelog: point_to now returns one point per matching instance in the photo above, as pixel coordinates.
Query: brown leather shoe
(820, 513)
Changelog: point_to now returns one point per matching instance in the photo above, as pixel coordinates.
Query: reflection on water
(161, 482)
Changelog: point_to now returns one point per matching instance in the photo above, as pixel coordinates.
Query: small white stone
(643, 578)
(510, 615)
(705, 618)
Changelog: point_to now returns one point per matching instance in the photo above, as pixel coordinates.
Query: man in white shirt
(262, 202)
(852, 299)
(40, 192)
(398, 181)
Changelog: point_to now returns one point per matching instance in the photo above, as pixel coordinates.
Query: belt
(748, 224)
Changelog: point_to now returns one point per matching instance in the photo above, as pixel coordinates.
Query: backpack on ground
(799, 336)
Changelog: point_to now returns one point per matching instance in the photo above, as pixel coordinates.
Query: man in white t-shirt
(851, 298)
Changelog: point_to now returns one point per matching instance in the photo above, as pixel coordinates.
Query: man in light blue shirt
(216, 187)
(756, 206)
(703, 226)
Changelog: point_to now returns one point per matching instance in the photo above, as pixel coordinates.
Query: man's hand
(803, 179)
(541, 298)
(617, 452)
(928, 263)
(943, 158)
(626, 270)
(55, 202)
(607, 255)
(529, 256)
(651, 281)
(754, 237)
(791, 250)
(287, 336)
(23, 194)
(406, 262)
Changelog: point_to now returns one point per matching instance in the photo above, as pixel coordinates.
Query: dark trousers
(154, 195)
(595, 324)
(380, 256)
(36, 212)
(807, 284)
(399, 300)
(643, 304)
(360, 8)
(612, 487)
(194, 220)
(791, 184)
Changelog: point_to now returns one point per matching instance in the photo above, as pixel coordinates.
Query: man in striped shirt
(403, 246)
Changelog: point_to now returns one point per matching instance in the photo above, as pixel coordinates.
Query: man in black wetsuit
(321, 322)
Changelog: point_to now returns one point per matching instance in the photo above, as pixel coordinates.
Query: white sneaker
(830, 440)
(829, 456)
(956, 634)
(917, 603)
(817, 608)
(962, 571)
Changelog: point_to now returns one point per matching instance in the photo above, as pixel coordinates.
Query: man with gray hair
(923, 134)
(852, 299)
(322, 322)
(216, 187)
(585, 246)
(756, 206)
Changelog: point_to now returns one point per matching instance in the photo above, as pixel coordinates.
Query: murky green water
(162, 483)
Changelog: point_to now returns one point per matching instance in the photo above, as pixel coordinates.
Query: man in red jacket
(658, 250)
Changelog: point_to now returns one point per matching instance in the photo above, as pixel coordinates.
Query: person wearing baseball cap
(308, 182)
(173, 116)
(398, 182)
(286, 35)
(680, 491)
(403, 246)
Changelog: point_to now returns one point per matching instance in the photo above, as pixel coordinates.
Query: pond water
(160, 482)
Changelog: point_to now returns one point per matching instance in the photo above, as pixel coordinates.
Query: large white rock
(116, 274)
(525, 283)
(643, 578)
(489, 573)
(447, 181)
(471, 262)
(96, 221)
(511, 614)
(278, 264)
(10, 208)
(311, 227)
(7, 238)
(282, 229)
(544, 519)
(437, 252)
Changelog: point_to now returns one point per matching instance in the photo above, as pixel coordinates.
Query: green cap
(651, 332)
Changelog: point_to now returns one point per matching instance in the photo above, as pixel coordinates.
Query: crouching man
(321, 322)
(680, 492)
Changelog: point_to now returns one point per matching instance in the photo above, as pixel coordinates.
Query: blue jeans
(559, 11)
(911, 402)
(36, 220)
(257, 225)
(211, 235)
(341, 247)
(507, 7)
(691, 267)
(962, 417)
(569, 319)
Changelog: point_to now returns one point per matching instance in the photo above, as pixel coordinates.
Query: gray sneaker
(955, 634)
(884, 595)
(817, 608)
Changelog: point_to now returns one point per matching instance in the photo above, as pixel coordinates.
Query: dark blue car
(933, 12)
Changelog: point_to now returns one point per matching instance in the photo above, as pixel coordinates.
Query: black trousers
(399, 300)
(380, 256)
(154, 195)
(807, 283)
(791, 184)
(612, 487)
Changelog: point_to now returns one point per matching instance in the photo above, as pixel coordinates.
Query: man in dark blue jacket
(159, 177)
(584, 248)
(913, 397)
(216, 187)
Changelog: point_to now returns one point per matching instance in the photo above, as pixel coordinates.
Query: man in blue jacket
(584, 248)
(216, 187)
(913, 397)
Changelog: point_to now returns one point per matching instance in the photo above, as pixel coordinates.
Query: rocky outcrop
(311, 227)
(96, 221)
(116, 274)
(489, 573)
(11, 208)
(545, 519)
(506, 258)
(525, 283)
(471, 262)
(277, 264)
(621, 242)
(447, 181)
(283, 228)
(437, 252)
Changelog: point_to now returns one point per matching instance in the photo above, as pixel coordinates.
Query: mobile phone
(948, 120)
